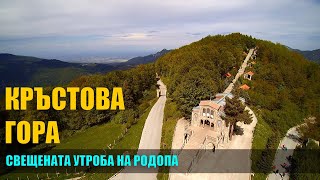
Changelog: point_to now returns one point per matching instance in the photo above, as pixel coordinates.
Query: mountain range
(312, 55)
(146, 59)
(18, 70)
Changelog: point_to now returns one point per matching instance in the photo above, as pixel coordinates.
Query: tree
(311, 128)
(235, 112)
(195, 86)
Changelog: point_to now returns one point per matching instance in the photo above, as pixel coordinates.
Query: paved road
(290, 143)
(150, 138)
(152, 131)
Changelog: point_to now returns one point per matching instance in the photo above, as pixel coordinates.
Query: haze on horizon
(112, 28)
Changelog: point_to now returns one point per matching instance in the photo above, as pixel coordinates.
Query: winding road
(150, 138)
(290, 142)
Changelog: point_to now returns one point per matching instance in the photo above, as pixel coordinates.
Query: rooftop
(245, 87)
(250, 73)
(212, 104)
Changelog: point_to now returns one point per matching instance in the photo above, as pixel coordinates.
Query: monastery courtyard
(236, 150)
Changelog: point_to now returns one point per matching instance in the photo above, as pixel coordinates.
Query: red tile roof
(245, 87)
(210, 103)
(250, 73)
(228, 75)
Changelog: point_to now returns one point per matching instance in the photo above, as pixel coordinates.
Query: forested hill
(24, 70)
(31, 71)
(284, 90)
(196, 71)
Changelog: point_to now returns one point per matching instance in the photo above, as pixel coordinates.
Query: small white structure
(248, 75)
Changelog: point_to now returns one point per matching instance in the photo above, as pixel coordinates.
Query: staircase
(189, 152)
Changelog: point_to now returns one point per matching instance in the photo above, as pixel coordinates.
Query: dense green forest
(305, 162)
(136, 84)
(285, 88)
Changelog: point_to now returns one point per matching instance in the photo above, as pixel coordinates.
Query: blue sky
(125, 28)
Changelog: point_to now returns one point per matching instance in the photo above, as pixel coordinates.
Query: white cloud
(135, 36)
(105, 25)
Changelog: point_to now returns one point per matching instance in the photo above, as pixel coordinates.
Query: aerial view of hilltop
(159, 90)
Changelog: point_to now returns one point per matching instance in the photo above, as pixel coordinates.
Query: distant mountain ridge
(313, 55)
(31, 71)
(146, 59)
(16, 70)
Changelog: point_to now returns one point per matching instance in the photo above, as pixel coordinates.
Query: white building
(248, 75)
(209, 115)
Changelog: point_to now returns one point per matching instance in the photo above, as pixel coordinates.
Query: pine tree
(235, 112)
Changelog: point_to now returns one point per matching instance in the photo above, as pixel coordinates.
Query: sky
(71, 29)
